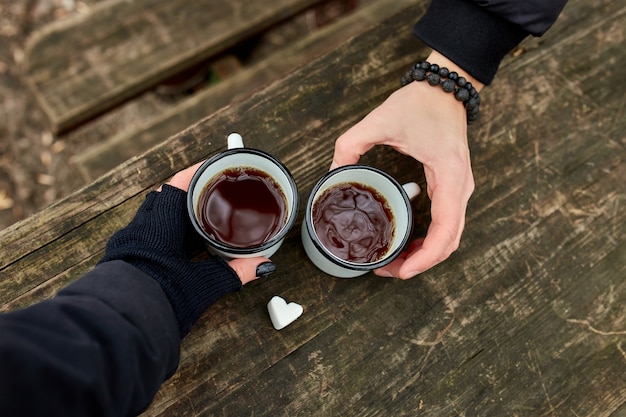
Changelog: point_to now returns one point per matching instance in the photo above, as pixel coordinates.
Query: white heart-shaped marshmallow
(281, 313)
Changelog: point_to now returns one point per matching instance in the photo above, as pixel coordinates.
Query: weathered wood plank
(526, 319)
(527, 323)
(104, 156)
(294, 118)
(80, 68)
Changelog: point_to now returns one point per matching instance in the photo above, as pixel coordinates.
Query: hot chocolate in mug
(242, 201)
(358, 218)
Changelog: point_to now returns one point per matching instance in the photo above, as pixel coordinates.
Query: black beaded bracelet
(450, 81)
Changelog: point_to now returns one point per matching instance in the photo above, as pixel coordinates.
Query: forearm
(160, 242)
(102, 346)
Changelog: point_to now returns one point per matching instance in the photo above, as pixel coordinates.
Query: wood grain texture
(295, 111)
(81, 68)
(106, 155)
(527, 318)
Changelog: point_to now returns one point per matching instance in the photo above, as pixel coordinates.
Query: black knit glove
(159, 241)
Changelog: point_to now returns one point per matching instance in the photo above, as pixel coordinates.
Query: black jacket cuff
(472, 37)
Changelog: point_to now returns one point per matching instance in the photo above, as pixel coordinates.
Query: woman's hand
(430, 125)
(247, 269)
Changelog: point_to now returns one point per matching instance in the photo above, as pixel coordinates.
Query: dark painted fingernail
(265, 269)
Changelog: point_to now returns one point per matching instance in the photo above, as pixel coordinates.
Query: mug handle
(235, 141)
(412, 189)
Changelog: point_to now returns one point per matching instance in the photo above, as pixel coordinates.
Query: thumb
(249, 269)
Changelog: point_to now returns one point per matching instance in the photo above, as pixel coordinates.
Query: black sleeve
(102, 347)
(161, 241)
(534, 16)
(476, 35)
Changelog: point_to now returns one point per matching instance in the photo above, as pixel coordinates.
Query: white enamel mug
(398, 198)
(238, 156)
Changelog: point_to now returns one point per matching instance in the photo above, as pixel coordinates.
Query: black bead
(433, 79)
(418, 74)
(448, 86)
(472, 116)
(462, 94)
(470, 104)
(450, 82)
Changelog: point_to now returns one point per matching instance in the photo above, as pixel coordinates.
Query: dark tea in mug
(242, 207)
(354, 222)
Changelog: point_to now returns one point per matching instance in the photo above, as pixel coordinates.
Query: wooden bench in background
(91, 65)
(83, 67)
(527, 318)
(101, 157)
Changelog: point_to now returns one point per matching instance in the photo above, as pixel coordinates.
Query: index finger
(356, 141)
(248, 269)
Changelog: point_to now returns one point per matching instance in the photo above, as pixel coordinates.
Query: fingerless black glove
(160, 241)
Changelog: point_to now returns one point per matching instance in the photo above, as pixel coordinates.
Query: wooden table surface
(527, 318)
